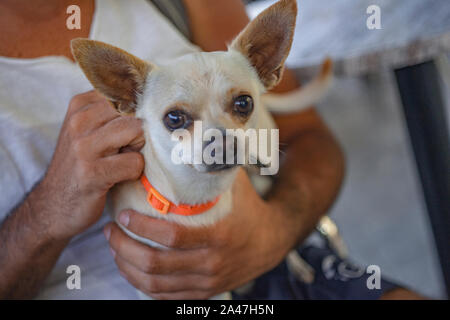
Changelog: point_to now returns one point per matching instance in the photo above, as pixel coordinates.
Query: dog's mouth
(220, 167)
(214, 168)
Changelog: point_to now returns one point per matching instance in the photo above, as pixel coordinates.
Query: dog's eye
(243, 105)
(177, 119)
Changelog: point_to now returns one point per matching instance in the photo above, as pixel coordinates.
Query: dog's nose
(219, 146)
(219, 167)
(222, 165)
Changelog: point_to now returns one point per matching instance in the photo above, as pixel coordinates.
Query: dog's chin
(215, 168)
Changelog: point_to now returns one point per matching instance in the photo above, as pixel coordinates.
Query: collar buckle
(163, 205)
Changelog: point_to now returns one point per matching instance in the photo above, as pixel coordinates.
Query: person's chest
(39, 31)
(34, 95)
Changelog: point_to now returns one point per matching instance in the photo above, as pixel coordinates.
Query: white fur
(198, 79)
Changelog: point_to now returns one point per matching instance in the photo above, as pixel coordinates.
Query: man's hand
(253, 238)
(87, 162)
(203, 262)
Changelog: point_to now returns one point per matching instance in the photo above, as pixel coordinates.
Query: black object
(334, 279)
(426, 119)
(175, 12)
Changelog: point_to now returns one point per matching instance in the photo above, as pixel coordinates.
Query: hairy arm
(28, 252)
(311, 176)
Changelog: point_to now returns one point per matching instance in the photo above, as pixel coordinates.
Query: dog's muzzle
(215, 167)
(220, 167)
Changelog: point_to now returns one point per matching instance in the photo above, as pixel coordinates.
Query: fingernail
(124, 219)
(113, 253)
(107, 232)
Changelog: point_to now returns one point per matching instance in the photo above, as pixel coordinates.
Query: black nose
(219, 167)
(225, 151)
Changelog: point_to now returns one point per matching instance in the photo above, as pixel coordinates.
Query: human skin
(253, 239)
(72, 195)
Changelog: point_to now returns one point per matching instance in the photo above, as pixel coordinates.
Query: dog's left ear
(267, 40)
(115, 73)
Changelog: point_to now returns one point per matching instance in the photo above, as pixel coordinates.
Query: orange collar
(164, 206)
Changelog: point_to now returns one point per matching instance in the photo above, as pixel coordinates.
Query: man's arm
(27, 252)
(311, 176)
(71, 197)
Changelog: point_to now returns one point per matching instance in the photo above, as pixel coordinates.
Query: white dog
(223, 90)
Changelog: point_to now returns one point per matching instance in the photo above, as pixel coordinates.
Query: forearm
(310, 178)
(27, 251)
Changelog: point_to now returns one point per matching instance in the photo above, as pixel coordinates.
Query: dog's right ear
(115, 73)
(267, 40)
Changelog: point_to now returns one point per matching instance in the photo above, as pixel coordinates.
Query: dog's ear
(118, 75)
(267, 40)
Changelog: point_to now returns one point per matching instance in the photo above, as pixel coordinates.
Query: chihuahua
(220, 90)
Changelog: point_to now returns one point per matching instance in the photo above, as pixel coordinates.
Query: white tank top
(34, 96)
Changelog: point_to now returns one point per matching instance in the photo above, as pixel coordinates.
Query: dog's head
(220, 89)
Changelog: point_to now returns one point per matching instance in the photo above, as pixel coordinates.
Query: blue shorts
(339, 280)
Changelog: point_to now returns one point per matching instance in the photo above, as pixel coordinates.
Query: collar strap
(164, 206)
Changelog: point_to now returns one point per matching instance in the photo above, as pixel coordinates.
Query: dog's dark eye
(177, 119)
(243, 105)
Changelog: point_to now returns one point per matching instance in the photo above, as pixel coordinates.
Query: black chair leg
(424, 110)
